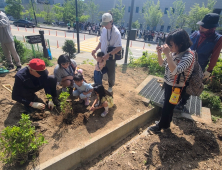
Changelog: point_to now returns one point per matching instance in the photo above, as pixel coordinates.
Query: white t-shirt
(115, 40)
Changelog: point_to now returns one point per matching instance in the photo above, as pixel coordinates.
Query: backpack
(195, 86)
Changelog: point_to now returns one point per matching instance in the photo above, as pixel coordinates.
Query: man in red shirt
(208, 44)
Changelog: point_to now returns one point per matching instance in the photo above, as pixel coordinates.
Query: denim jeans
(98, 76)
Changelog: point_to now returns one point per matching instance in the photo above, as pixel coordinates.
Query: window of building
(165, 11)
(168, 28)
(141, 26)
(127, 25)
(162, 27)
(129, 9)
(137, 9)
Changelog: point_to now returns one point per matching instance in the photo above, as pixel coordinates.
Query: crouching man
(31, 79)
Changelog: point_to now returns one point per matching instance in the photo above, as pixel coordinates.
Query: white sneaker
(64, 89)
(110, 89)
(104, 114)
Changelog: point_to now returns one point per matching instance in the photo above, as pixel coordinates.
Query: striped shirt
(183, 61)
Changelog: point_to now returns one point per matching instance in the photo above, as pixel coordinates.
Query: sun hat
(106, 18)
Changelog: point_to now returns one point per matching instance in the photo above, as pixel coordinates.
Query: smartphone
(159, 43)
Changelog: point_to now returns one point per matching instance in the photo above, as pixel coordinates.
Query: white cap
(106, 18)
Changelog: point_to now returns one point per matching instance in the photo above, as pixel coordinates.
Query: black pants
(111, 66)
(49, 86)
(167, 112)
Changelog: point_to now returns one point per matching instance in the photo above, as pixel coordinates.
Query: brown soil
(189, 145)
(70, 131)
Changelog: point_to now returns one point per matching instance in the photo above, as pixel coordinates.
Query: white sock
(106, 109)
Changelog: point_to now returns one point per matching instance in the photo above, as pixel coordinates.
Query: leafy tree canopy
(152, 13)
(14, 8)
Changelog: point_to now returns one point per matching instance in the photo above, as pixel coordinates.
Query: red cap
(37, 64)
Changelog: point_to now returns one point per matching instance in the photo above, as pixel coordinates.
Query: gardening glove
(206, 75)
(51, 105)
(37, 105)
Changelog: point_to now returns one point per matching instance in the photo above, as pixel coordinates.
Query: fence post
(38, 46)
(33, 50)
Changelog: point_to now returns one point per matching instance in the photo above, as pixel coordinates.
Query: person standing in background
(110, 37)
(7, 43)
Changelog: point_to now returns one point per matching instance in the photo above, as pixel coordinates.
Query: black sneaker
(10, 67)
(154, 129)
(18, 68)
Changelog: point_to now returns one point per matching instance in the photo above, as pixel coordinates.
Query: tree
(118, 12)
(84, 18)
(136, 24)
(176, 14)
(197, 13)
(47, 14)
(29, 11)
(69, 14)
(58, 11)
(69, 47)
(92, 10)
(152, 13)
(14, 8)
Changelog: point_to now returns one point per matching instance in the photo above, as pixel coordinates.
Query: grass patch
(149, 60)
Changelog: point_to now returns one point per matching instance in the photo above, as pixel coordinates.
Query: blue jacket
(205, 49)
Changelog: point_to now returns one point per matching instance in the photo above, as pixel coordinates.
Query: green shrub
(25, 53)
(214, 84)
(150, 61)
(211, 101)
(17, 142)
(65, 106)
(19, 46)
(215, 102)
(69, 47)
(2, 56)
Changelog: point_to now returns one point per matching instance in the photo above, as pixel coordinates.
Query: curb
(73, 158)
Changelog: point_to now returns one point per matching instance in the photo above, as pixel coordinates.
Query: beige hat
(106, 18)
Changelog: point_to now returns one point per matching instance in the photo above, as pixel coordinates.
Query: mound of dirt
(188, 145)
